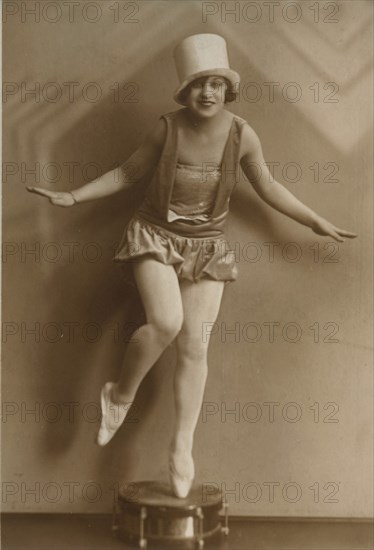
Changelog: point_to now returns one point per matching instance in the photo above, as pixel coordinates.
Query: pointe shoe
(181, 473)
(113, 415)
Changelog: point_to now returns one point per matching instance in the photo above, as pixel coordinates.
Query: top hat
(202, 55)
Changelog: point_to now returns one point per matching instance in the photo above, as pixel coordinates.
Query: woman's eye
(214, 86)
(196, 85)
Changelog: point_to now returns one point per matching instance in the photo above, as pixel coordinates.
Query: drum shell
(189, 521)
(165, 524)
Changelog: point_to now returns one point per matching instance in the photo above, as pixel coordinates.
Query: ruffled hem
(193, 258)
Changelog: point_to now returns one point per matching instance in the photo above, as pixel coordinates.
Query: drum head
(159, 494)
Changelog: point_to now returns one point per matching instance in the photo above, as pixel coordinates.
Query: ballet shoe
(181, 473)
(113, 415)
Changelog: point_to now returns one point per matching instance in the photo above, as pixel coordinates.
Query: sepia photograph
(187, 275)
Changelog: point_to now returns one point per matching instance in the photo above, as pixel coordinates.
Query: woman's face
(206, 95)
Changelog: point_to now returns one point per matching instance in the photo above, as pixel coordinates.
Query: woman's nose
(208, 89)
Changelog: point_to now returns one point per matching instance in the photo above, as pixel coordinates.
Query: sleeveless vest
(155, 205)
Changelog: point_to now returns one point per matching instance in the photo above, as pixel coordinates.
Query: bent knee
(168, 326)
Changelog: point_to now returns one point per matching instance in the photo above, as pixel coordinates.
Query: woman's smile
(207, 95)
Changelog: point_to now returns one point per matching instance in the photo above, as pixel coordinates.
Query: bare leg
(201, 303)
(158, 287)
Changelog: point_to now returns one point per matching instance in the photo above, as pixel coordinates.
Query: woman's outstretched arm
(276, 195)
(138, 165)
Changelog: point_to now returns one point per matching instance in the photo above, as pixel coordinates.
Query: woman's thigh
(159, 290)
(201, 303)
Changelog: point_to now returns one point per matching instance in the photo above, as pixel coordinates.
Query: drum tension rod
(225, 530)
(115, 517)
(200, 515)
(143, 517)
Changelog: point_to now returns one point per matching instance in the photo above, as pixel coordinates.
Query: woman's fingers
(329, 230)
(345, 233)
(41, 191)
(338, 234)
(60, 201)
(56, 198)
(337, 237)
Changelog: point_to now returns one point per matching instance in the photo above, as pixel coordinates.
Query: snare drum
(147, 512)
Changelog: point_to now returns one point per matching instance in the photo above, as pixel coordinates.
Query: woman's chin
(205, 111)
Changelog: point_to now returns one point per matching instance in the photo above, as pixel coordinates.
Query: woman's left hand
(325, 228)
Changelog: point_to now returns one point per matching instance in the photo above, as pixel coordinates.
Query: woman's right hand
(58, 199)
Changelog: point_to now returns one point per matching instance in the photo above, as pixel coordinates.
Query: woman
(174, 248)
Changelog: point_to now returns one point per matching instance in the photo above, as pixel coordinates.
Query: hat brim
(232, 76)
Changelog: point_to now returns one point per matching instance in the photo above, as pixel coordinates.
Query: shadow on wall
(94, 292)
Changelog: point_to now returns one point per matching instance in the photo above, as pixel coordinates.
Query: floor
(64, 532)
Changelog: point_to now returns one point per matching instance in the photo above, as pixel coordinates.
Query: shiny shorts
(193, 258)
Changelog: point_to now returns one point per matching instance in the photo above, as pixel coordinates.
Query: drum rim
(154, 510)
